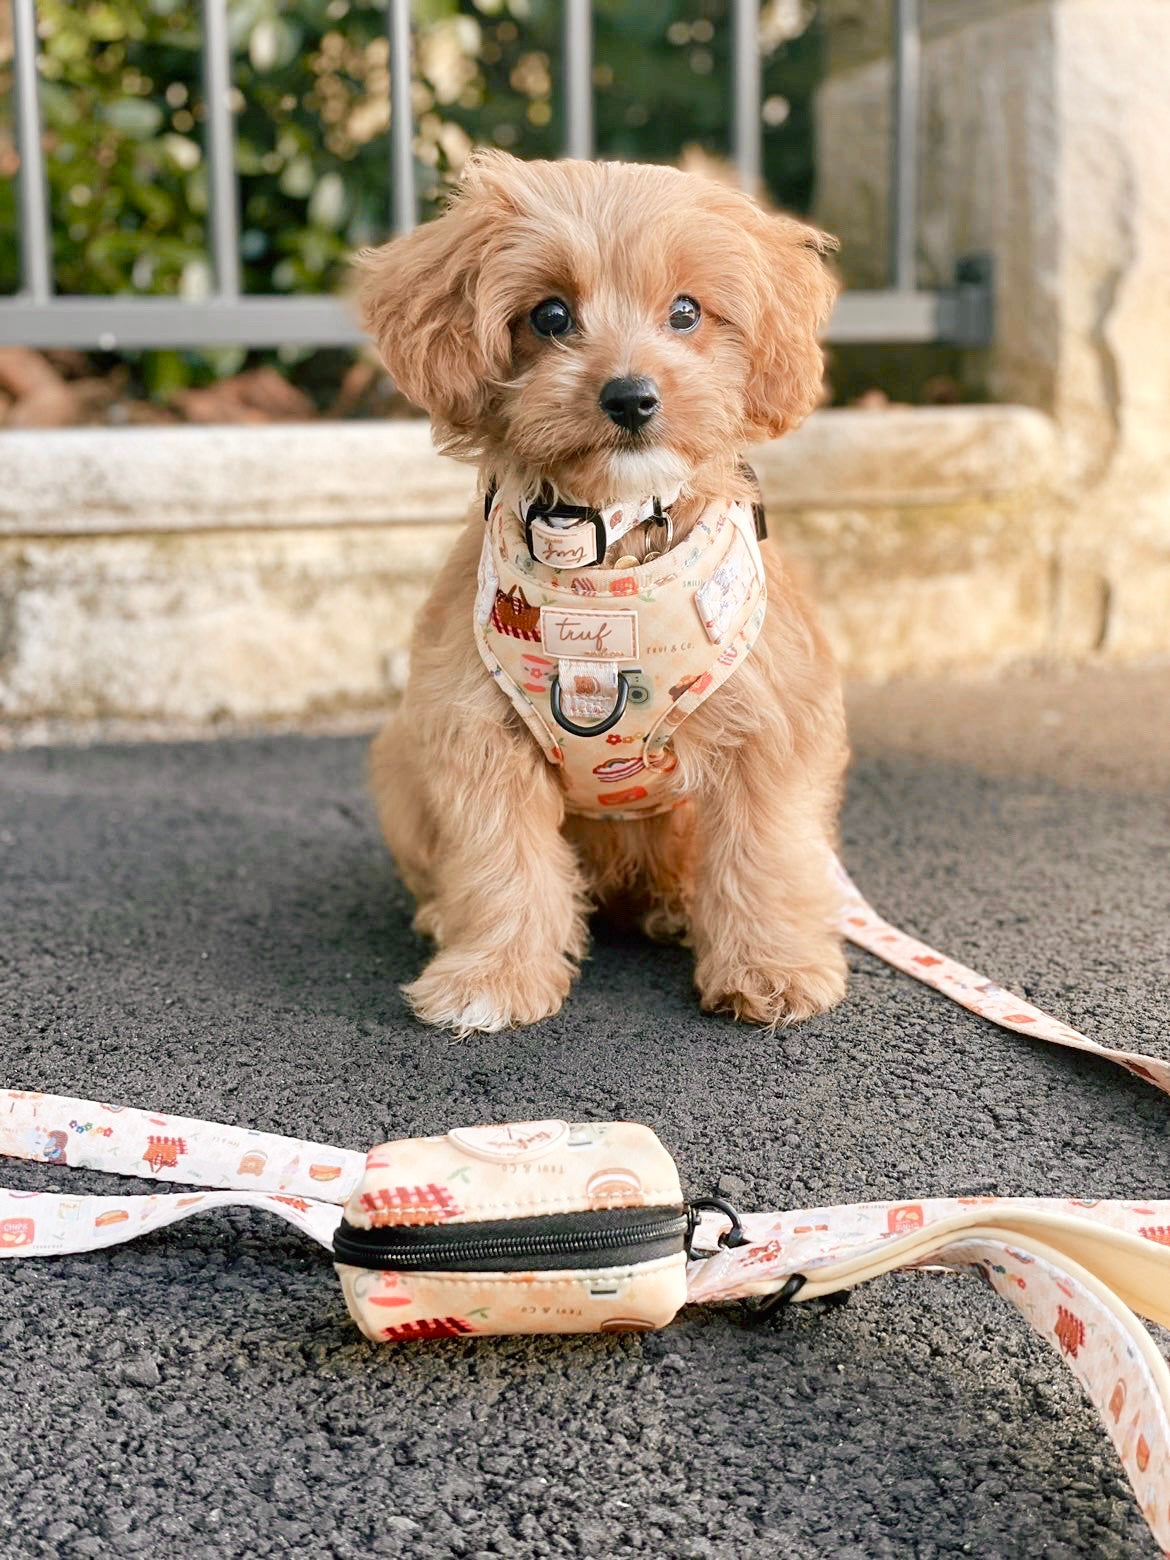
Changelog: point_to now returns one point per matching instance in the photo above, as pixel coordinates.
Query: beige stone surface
(1043, 143)
(283, 591)
(937, 590)
(857, 31)
(106, 480)
(914, 456)
(198, 630)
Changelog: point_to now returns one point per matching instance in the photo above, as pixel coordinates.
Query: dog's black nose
(630, 402)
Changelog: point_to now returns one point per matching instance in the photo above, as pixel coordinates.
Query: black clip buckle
(763, 1308)
(661, 517)
(729, 1240)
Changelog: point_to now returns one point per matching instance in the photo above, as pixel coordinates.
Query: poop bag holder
(533, 1227)
(541, 1227)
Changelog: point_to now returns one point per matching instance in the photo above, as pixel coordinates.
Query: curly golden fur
(474, 815)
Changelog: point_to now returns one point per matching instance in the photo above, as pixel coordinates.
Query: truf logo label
(563, 549)
(589, 635)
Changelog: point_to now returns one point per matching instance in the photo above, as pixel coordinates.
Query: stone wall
(1044, 134)
(192, 580)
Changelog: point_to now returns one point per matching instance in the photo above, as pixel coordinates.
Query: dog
(603, 340)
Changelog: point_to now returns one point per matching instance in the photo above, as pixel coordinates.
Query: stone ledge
(909, 457)
(207, 580)
(129, 480)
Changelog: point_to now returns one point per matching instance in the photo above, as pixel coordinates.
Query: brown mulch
(66, 389)
(62, 388)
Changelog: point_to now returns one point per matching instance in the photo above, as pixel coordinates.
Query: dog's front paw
(474, 993)
(770, 994)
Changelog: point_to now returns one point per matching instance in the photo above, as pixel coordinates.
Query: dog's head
(605, 328)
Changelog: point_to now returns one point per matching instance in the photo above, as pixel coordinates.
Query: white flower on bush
(195, 282)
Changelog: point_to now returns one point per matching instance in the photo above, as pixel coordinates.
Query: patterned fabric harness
(604, 665)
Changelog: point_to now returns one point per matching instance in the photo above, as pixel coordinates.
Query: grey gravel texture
(215, 930)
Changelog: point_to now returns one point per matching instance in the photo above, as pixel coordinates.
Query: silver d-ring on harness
(662, 517)
(563, 721)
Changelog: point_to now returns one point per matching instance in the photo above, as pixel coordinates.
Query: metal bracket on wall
(960, 316)
(974, 301)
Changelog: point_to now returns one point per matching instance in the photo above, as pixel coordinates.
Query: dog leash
(1080, 1272)
(860, 923)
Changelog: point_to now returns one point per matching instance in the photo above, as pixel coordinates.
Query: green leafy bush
(122, 103)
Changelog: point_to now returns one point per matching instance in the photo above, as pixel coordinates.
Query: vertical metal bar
(907, 48)
(578, 73)
(745, 86)
(405, 199)
(36, 270)
(223, 190)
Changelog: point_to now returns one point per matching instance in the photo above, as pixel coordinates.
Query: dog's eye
(684, 314)
(551, 318)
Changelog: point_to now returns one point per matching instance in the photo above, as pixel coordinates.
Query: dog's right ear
(417, 297)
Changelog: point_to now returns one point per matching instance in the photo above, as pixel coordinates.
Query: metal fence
(38, 316)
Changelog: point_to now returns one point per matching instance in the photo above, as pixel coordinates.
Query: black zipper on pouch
(607, 1237)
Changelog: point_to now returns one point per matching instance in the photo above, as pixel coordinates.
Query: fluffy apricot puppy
(617, 697)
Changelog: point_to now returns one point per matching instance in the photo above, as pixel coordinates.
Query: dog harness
(604, 665)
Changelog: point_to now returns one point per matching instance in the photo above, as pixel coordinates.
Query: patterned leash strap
(302, 1182)
(1076, 1270)
(861, 924)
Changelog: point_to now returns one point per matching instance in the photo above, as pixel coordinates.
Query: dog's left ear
(796, 291)
(418, 298)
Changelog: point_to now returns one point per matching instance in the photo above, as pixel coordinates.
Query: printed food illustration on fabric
(726, 593)
(409, 1205)
(426, 1329)
(17, 1232)
(514, 614)
(53, 1148)
(614, 770)
(162, 1153)
(536, 673)
(1069, 1330)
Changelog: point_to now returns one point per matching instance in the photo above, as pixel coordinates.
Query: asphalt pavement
(215, 930)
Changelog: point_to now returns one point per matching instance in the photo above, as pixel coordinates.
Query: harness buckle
(580, 516)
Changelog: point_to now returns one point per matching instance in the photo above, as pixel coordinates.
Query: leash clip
(729, 1239)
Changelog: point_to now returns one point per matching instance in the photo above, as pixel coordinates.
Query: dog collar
(574, 536)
